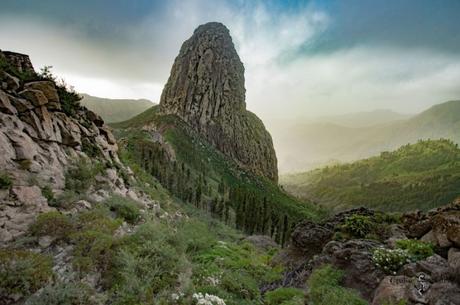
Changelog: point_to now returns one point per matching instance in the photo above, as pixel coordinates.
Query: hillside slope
(193, 170)
(115, 110)
(418, 176)
(306, 146)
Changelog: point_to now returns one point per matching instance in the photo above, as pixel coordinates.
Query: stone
(444, 293)
(5, 104)
(95, 118)
(453, 258)
(36, 97)
(12, 83)
(23, 145)
(49, 90)
(262, 242)
(391, 290)
(108, 135)
(20, 62)
(45, 241)
(453, 235)
(206, 90)
(21, 104)
(27, 195)
(309, 238)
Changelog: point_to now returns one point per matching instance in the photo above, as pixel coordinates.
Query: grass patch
(285, 296)
(417, 249)
(64, 294)
(325, 289)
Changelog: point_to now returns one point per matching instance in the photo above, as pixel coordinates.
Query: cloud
(287, 74)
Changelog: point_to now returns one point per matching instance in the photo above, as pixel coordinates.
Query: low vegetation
(81, 175)
(64, 294)
(325, 289)
(125, 208)
(5, 181)
(23, 272)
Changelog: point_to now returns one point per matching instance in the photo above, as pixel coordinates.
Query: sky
(302, 59)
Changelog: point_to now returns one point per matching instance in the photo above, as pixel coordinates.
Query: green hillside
(418, 176)
(305, 146)
(197, 173)
(115, 110)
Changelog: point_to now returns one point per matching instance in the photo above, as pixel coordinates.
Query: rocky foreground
(367, 246)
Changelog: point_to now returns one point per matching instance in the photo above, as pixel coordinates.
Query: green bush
(97, 219)
(63, 294)
(324, 288)
(125, 208)
(53, 224)
(23, 272)
(390, 260)
(358, 225)
(5, 181)
(92, 250)
(284, 296)
(47, 192)
(417, 249)
(80, 176)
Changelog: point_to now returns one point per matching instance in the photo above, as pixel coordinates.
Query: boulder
(443, 293)
(309, 238)
(95, 118)
(21, 104)
(48, 88)
(36, 97)
(453, 258)
(5, 104)
(24, 146)
(391, 290)
(108, 135)
(11, 83)
(262, 242)
(453, 235)
(416, 224)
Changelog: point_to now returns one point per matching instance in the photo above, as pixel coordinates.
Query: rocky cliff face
(206, 89)
(38, 141)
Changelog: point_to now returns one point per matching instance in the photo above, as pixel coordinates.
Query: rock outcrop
(206, 90)
(432, 280)
(38, 141)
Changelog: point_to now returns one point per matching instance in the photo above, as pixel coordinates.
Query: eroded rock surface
(206, 89)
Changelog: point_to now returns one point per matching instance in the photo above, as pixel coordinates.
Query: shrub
(63, 294)
(417, 249)
(23, 272)
(92, 251)
(53, 224)
(358, 225)
(65, 199)
(5, 181)
(390, 260)
(97, 219)
(79, 177)
(47, 192)
(324, 288)
(282, 296)
(125, 208)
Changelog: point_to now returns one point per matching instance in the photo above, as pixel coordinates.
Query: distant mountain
(115, 110)
(417, 176)
(363, 119)
(302, 147)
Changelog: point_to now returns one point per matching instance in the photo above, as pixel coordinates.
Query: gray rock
(49, 90)
(206, 90)
(36, 97)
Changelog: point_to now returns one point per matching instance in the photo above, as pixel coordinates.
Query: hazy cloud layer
(302, 58)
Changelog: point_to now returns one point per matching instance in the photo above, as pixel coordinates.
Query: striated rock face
(206, 89)
(37, 143)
